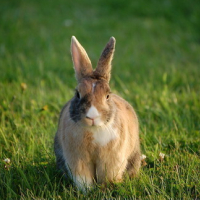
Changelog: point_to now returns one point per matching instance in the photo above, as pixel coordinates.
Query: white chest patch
(104, 135)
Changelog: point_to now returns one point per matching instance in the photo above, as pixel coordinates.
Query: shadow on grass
(37, 180)
(43, 180)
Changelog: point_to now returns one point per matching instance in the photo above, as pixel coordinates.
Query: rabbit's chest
(103, 136)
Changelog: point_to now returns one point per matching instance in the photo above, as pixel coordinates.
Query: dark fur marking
(107, 51)
(60, 162)
(78, 107)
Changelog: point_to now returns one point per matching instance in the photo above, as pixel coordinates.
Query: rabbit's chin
(97, 122)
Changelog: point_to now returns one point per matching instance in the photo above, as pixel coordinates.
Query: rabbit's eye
(107, 97)
(77, 95)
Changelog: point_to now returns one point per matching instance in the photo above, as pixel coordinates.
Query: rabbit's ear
(104, 65)
(82, 63)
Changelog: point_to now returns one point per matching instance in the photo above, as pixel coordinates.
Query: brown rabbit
(98, 134)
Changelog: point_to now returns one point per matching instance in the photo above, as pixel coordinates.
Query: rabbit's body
(98, 134)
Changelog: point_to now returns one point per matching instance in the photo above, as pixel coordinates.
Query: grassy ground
(156, 68)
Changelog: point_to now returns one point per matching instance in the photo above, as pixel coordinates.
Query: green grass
(156, 68)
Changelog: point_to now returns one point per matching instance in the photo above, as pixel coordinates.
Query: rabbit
(98, 132)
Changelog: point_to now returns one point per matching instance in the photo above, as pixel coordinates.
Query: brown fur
(104, 152)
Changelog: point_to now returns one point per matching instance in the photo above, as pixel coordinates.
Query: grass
(156, 68)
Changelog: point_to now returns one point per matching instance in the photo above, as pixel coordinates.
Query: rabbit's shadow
(35, 178)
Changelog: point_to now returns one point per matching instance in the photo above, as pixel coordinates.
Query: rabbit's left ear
(82, 63)
(104, 65)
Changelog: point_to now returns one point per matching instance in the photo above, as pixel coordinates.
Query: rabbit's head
(92, 104)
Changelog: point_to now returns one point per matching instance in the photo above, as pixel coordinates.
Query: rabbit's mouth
(90, 120)
(93, 121)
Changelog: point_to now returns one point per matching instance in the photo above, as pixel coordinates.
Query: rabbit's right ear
(104, 65)
(82, 63)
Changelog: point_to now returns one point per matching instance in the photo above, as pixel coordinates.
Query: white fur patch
(92, 113)
(104, 135)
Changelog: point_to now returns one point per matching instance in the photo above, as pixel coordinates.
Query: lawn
(156, 68)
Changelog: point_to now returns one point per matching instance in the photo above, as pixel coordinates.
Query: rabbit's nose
(92, 113)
